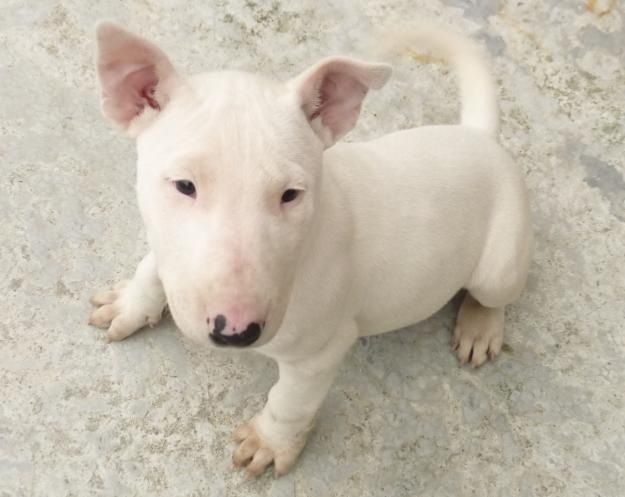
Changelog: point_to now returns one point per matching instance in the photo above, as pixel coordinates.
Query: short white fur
(383, 234)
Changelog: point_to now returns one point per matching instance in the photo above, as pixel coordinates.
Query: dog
(267, 234)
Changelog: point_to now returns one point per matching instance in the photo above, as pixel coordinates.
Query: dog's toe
(245, 451)
(478, 354)
(125, 325)
(102, 316)
(259, 463)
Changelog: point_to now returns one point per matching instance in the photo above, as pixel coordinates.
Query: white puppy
(266, 234)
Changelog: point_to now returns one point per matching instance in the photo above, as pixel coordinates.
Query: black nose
(241, 339)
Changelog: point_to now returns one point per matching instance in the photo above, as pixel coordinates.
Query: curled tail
(477, 87)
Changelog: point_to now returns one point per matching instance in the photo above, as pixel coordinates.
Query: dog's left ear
(136, 77)
(331, 93)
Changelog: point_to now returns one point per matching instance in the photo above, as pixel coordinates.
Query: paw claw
(491, 354)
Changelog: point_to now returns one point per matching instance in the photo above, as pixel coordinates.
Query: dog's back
(425, 202)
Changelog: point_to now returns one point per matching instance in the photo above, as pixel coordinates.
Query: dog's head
(228, 176)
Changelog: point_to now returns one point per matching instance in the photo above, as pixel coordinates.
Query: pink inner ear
(332, 91)
(134, 74)
(126, 98)
(339, 101)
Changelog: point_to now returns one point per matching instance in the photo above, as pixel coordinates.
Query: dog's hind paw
(123, 312)
(478, 335)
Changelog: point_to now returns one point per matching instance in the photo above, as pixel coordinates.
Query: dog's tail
(477, 88)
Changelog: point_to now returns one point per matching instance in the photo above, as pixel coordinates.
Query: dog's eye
(185, 187)
(290, 195)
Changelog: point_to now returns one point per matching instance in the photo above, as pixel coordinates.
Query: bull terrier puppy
(266, 234)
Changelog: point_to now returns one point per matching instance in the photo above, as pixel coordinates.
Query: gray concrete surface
(152, 416)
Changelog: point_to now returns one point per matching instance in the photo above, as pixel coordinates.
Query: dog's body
(394, 228)
(396, 241)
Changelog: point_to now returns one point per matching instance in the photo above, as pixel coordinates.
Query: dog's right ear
(331, 93)
(136, 77)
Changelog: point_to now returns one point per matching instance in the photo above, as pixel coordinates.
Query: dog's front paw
(256, 450)
(124, 311)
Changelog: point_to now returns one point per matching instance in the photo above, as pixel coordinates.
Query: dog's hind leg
(132, 304)
(498, 281)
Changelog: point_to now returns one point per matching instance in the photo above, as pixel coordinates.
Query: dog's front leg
(132, 304)
(279, 432)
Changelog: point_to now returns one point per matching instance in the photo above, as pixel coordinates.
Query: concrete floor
(152, 416)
